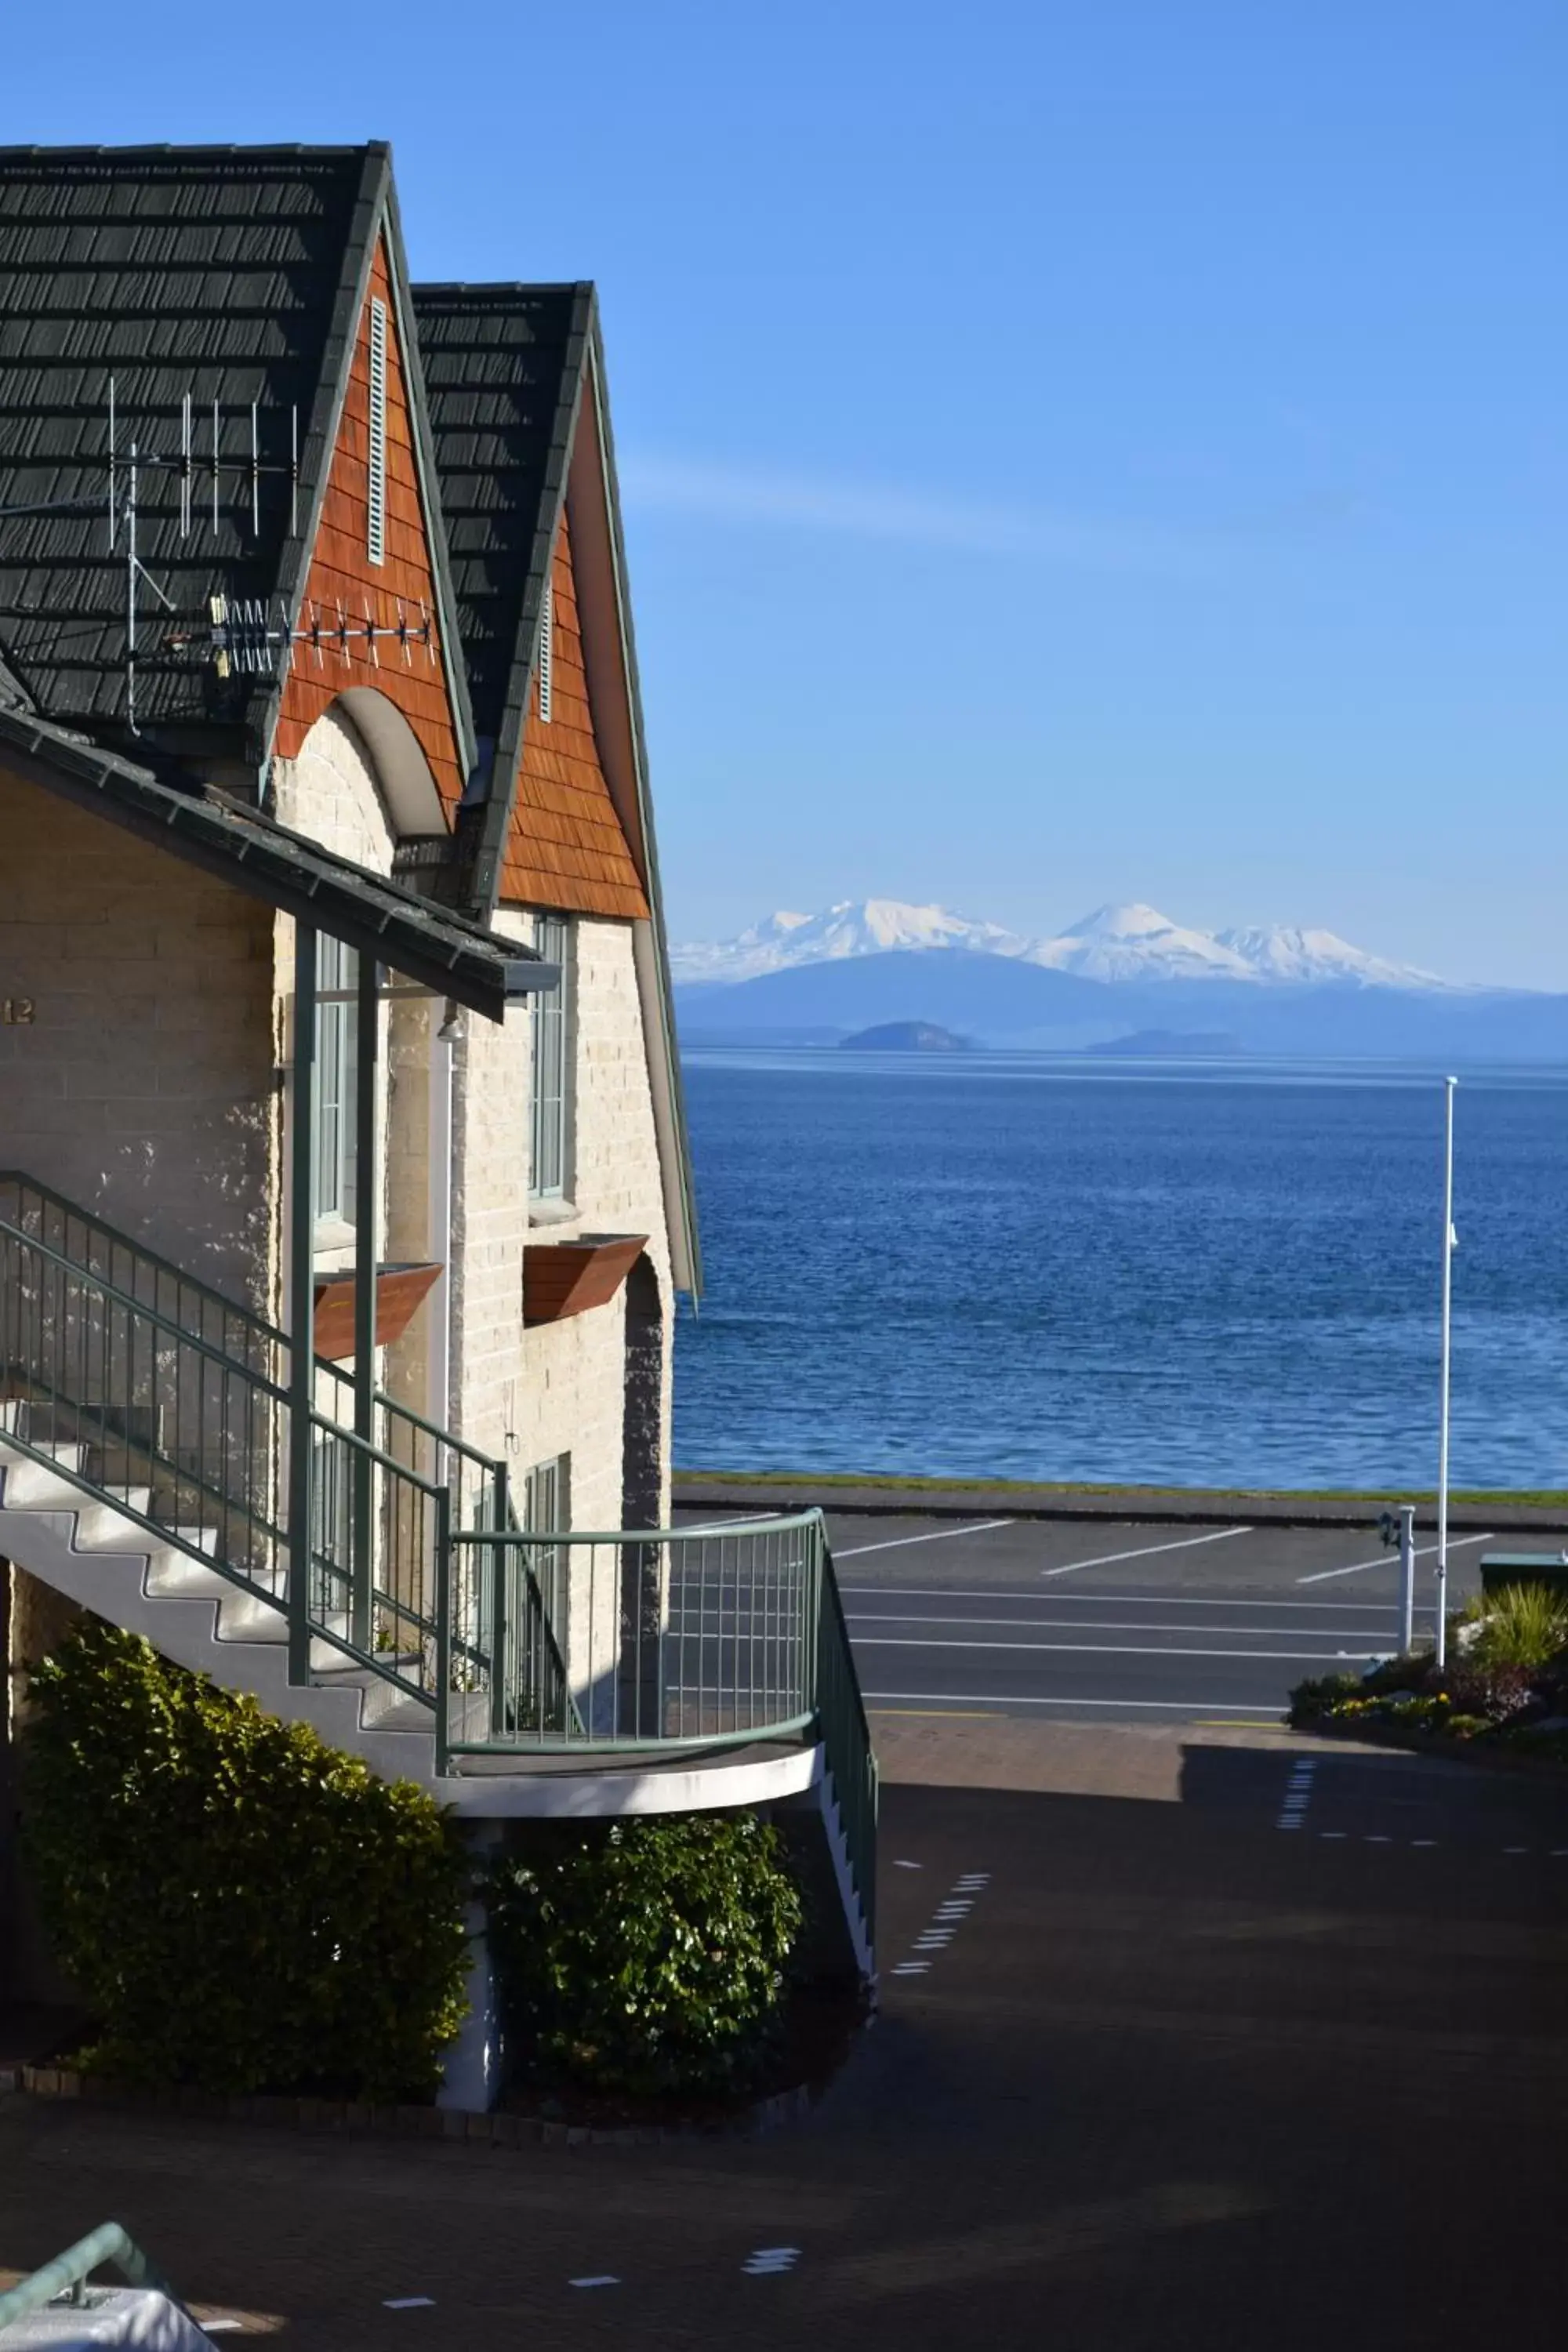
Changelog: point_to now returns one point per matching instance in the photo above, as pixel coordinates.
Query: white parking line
(1104, 1649)
(939, 1535)
(1105, 1600)
(1270, 1707)
(1147, 1552)
(1386, 1559)
(1096, 1625)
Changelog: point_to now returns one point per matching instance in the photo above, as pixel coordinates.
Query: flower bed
(1502, 1692)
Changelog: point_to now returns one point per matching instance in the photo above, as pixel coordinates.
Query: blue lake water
(1026, 1265)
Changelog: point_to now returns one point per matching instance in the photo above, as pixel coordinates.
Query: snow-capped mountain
(1115, 944)
(1138, 944)
(852, 927)
(1281, 953)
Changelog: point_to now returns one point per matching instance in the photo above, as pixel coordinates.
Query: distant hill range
(802, 981)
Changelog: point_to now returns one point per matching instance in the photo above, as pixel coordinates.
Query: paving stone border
(349, 2119)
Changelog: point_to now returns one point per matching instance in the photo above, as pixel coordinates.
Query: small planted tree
(244, 1907)
(648, 1957)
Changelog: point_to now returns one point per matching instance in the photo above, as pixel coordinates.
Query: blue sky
(1071, 453)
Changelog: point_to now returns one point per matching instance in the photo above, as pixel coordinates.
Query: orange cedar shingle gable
(342, 574)
(565, 848)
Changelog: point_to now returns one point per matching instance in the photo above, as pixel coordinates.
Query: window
(546, 650)
(552, 1070)
(377, 450)
(547, 1510)
(337, 1067)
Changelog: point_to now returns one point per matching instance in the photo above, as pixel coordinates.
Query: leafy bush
(1522, 1625)
(1323, 1694)
(1495, 1693)
(648, 1957)
(244, 1908)
(1408, 1671)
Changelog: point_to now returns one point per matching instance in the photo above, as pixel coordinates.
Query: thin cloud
(733, 495)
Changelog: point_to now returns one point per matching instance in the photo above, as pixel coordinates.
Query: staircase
(146, 1448)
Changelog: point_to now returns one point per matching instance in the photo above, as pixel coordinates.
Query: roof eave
(669, 1099)
(447, 954)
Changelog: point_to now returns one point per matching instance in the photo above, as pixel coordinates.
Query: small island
(906, 1037)
(1171, 1044)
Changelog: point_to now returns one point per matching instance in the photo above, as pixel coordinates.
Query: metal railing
(65, 2279)
(693, 1638)
(142, 1387)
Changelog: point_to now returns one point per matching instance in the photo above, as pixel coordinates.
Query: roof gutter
(436, 949)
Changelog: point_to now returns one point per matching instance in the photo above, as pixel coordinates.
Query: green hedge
(243, 1907)
(647, 1957)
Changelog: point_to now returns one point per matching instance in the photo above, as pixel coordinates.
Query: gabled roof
(503, 375)
(233, 273)
(438, 950)
(515, 381)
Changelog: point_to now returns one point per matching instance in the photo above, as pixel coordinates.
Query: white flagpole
(1449, 1084)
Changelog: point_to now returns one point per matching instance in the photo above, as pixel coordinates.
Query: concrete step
(382, 1703)
(28, 1479)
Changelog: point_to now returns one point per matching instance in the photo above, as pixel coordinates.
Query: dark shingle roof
(503, 372)
(226, 273)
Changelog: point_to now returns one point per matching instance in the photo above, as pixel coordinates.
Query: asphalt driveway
(1187, 2037)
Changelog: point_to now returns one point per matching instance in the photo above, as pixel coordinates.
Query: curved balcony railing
(140, 1385)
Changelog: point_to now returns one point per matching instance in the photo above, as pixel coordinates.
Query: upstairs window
(552, 1070)
(377, 450)
(546, 650)
(337, 1070)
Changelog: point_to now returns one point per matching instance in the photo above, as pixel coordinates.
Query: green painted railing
(677, 1638)
(139, 1384)
(67, 2276)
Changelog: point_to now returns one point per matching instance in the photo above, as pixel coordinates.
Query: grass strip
(1546, 1500)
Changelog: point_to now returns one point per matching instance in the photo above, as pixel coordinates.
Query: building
(334, 993)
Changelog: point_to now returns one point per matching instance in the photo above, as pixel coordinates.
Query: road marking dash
(1359, 1567)
(1146, 1551)
(938, 1534)
(599, 2278)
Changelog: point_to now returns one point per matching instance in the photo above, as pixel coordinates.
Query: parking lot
(1117, 1620)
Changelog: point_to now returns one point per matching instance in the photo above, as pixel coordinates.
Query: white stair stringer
(95, 1556)
(838, 1854)
(77, 1542)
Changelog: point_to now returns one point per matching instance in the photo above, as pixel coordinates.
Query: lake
(1048, 1267)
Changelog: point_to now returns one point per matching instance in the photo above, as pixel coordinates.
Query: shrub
(1520, 1625)
(244, 1908)
(648, 1957)
(1405, 1672)
(1323, 1694)
(1493, 1692)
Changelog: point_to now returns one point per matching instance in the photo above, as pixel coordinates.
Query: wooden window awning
(399, 1290)
(562, 1278)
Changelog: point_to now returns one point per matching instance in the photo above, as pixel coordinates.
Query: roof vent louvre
(546, 649)
(377, 453)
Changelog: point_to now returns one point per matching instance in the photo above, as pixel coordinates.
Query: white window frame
(337, 1069)
(375, 451)
(547, 652)
(552, 1089)
(547, 1510)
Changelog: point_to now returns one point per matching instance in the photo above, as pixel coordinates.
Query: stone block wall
(144, 1085)
(530, 1394)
